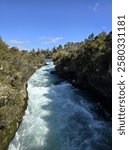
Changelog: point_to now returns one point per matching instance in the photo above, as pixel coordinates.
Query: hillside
(87, 65)
(15, 69)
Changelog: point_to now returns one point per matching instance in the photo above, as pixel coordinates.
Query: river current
(58, 117)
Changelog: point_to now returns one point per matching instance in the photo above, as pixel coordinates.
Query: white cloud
(22, 48)
(95, 7)
(104, 27)
(19, 42)
(51, 40)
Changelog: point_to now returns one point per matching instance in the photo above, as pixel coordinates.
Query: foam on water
(57, 118)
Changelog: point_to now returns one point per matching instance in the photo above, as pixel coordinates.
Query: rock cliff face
(11, 114)
(89, 67)
(15, 69)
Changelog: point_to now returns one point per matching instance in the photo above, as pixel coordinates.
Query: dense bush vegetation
(88, 65)
(15, 69)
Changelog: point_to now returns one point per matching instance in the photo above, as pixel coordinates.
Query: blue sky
(44, 24)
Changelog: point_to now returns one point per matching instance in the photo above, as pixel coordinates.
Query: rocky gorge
(87, 65)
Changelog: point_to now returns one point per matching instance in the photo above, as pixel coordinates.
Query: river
(59, 117)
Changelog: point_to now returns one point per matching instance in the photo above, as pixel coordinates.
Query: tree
(91, 37)
(3, 45)
(59, 47)
(54, 49)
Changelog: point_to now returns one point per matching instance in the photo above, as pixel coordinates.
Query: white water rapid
(58, 117)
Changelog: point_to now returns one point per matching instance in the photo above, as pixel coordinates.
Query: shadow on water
(79, 130)
(59, 117)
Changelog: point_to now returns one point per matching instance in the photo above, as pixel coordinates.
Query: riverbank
(98, 92)
(89, 67)
(15, 69)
